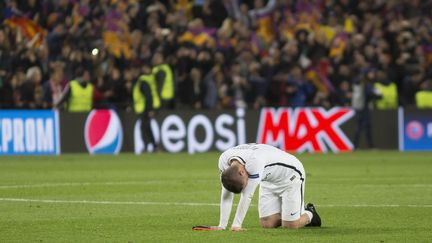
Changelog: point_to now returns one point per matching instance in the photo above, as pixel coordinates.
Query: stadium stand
(222, 54)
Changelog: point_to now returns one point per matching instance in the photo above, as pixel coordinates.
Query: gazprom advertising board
(29, 132)
(305, 129)
(415, 130)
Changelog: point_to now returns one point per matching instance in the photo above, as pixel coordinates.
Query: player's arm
(226, 202)
(245, 200)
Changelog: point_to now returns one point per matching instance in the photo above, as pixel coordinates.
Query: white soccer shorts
(285, 198)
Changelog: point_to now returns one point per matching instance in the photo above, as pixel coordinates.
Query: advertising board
(306, 129)
(415, 130)
(25, 132)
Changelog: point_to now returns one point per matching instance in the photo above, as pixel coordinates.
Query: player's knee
(270, 223)
(291, 224)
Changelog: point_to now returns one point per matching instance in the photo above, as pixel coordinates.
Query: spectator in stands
(343, 94)
(239, 86)
(106, 85)
(341, 80)
(4, 54)
(124, 91)
(194, 89)
(297, 89)
(52, 89)
(17, 81)
(121, 89)
(7, 93)
(258, 86)
(31, 89)
(211, 82)
(224, 90)
(410, 84)
(213, 13)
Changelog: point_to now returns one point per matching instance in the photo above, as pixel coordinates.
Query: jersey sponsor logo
(305, 129)
(29, 132)
(103, 132)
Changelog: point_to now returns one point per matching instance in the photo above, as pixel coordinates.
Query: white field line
(394, 185)
(382, 185)
(107, 202)
(196, 204)
(356, 179)
(71, 184)
(114, 183)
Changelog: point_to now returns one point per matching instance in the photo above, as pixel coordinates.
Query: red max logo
(305, 129)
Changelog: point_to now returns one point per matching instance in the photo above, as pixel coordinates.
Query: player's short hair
(232, 180)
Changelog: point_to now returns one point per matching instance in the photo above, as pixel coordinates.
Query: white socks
(309, 214)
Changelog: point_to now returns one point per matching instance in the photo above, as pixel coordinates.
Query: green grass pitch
(376, 196)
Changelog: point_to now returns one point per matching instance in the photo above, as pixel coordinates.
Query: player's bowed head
(235, 178)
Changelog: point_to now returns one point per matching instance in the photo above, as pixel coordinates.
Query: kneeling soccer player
(282, 180)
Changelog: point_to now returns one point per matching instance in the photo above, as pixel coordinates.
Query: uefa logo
(103, 132)
(414, 130)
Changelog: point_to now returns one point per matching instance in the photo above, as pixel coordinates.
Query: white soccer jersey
(261, 162)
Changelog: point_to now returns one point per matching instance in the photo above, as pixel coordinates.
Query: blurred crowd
(223, 54)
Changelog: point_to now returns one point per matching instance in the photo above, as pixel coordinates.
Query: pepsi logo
(103, 132)
(414, 130)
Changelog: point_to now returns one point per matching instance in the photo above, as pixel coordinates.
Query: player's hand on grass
(216, 228)
(237, 229)
(205, 227)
